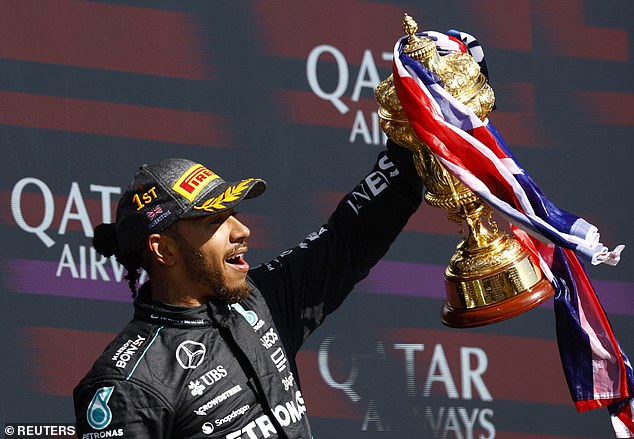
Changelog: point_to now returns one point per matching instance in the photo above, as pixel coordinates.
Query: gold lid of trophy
(459, 72)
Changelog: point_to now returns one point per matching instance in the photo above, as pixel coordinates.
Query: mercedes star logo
(190, 354)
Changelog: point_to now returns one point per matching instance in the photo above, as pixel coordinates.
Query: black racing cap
(171, 189)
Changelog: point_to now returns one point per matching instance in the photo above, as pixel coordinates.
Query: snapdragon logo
(98, 413)
(231, 416)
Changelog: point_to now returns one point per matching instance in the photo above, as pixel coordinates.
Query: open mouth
(237, 261)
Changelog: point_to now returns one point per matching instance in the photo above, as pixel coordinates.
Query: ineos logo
(190, 354)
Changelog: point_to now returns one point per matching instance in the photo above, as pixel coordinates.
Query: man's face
(212, 248)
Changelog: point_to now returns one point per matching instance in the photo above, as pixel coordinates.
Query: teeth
(235, 259)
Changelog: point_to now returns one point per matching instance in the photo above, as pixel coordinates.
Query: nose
(239, 232)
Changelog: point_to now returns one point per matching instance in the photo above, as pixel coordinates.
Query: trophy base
(505, 309)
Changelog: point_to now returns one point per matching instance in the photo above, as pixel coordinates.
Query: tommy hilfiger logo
(193, 181)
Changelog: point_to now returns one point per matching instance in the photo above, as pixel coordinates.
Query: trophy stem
(479, 235)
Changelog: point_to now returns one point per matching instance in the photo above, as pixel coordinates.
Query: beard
(202, 271)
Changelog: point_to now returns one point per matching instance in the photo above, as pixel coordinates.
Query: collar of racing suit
(213, 313)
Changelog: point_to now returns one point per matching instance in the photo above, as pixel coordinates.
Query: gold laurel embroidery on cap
(231, 194)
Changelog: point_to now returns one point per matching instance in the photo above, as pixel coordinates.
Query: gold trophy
(490, 277)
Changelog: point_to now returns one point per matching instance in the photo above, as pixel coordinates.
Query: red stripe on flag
(562, 24)
(604, 107)
(439, 136)
(626, 416)
(610, 380)
(59, 357)
(112, 119)
(102, 36)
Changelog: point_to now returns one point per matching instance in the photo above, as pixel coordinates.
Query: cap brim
(232, 194)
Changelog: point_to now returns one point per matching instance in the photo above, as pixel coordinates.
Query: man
(210, 352)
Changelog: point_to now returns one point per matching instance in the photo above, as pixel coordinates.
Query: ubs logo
(190, 354)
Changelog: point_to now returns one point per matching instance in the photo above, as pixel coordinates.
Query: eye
(222, 217)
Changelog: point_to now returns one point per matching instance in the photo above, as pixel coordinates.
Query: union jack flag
(154, 212)
(598, 373)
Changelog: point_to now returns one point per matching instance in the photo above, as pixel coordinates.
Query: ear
(162, 249)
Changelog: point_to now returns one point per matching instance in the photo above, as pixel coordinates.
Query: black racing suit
(220, 371)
